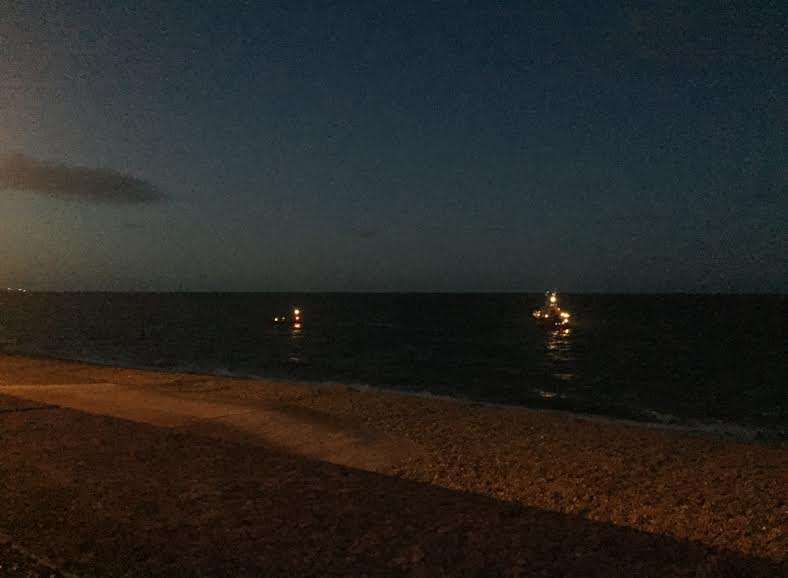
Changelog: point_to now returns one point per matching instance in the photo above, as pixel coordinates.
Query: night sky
(393, 146)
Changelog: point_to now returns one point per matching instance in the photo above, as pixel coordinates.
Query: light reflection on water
(296, 356)
(559, 360)
(558, 345)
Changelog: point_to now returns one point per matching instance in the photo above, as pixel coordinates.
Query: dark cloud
(19, 172)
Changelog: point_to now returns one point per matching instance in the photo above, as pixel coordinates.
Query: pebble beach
(114, 471)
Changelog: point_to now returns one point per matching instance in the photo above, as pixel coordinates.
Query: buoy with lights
(550, 313)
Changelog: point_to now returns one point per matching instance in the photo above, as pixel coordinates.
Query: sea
(673, 359)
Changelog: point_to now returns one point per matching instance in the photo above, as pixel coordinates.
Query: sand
(110, 471)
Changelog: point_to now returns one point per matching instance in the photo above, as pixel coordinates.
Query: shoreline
(487, 485)
(718, 429)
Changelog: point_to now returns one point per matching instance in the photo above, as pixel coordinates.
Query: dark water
(704, 358)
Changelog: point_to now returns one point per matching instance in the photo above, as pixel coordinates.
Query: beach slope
(112, 471)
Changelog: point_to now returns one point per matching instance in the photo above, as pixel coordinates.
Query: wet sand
(109, 471)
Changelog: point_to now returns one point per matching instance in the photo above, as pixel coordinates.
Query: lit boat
(294, 319)
(550, 313)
